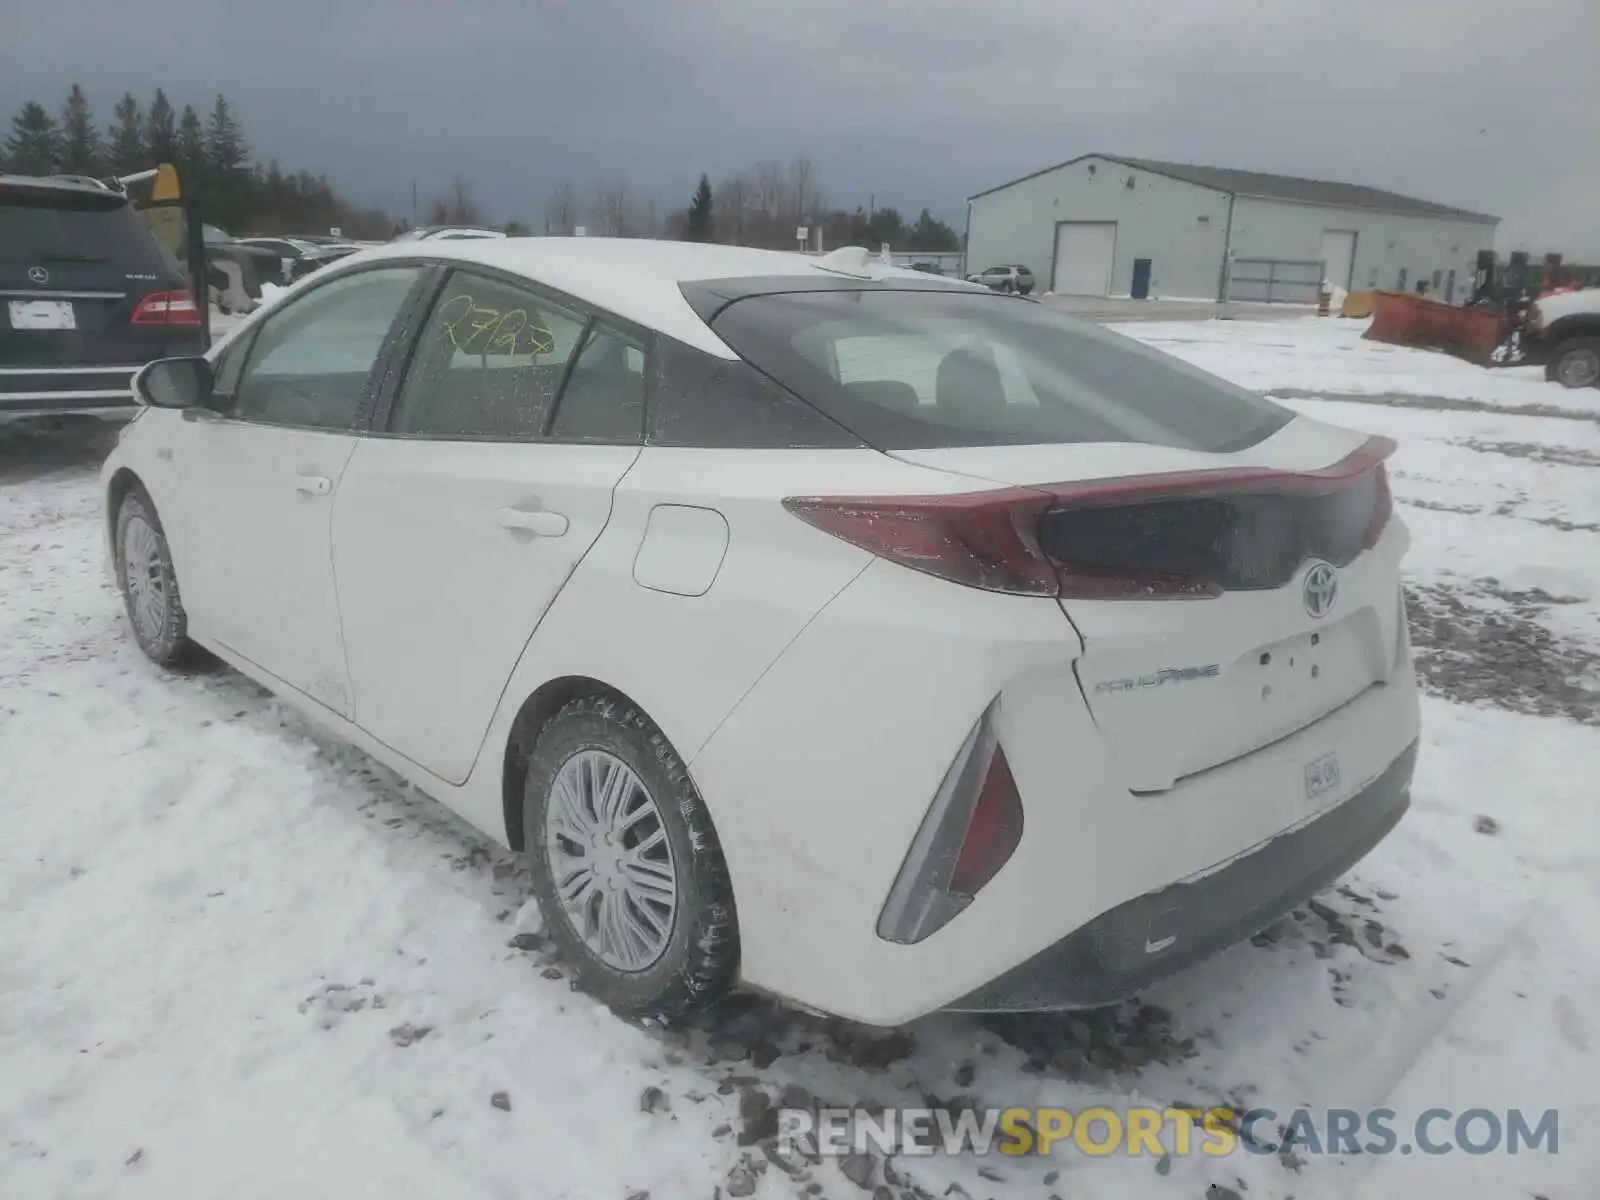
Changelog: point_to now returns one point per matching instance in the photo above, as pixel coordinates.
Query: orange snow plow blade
(1406, 320)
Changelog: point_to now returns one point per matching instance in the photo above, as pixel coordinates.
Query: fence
(1274, 280)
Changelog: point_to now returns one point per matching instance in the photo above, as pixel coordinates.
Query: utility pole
(413, 204)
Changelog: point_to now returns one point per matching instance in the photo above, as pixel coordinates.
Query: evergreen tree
(227, 169)
(701, 225)
(160, 130)
(82, 152)
(126, 138)
(34, 147)
(189, 152)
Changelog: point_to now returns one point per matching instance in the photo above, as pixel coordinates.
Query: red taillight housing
(1126, 538)
(166, 308)
(981, 539)
(994, 830)
(970, 832)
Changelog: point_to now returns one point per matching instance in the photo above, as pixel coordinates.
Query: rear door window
(488, 364)
(603, 400)
(910, 370)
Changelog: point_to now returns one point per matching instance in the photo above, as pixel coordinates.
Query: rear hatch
(1224, 601)
(83, 282)
(1219, 557)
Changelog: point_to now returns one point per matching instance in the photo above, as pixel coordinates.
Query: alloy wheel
(1580, 368)
(142, 574)
(610, 860)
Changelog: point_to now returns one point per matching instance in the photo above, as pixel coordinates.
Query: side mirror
(174, 383)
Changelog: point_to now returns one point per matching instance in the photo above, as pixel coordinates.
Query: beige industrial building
(1104, 225)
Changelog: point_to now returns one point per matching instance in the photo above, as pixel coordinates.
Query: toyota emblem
(38, 275)
(1321, 589)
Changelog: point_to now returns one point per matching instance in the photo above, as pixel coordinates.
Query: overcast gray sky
(1473, 103)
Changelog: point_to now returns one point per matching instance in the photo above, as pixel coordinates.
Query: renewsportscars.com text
(1213, 1132)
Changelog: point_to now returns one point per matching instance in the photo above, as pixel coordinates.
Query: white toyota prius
(846, 633)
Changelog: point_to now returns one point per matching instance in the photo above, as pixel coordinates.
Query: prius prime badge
(1321, 589)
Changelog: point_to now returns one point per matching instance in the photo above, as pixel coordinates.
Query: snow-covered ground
(238, 960)
(1329, 355)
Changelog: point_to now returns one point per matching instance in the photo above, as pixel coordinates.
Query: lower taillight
(1181, 535)
(166, 308)
(971, 830)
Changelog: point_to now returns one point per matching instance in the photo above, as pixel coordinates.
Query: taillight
(993, 832)
(985, 540)
(971, 830)
(1181, 535)
(166, 308)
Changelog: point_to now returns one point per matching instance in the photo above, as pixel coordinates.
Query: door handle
(313, 485)
(539, 522)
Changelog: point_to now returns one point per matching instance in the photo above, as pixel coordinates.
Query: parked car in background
(1563, 334)
(299, 257)
(87, 296)
(1012, 278)
(236, 270)
(446, 233)
(675, 503)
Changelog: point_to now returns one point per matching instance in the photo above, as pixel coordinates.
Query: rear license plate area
(28, 315)
(1294, 673)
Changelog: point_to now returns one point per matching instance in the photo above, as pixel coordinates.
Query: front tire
(1575, 363)
(626, 865)
(149, 582)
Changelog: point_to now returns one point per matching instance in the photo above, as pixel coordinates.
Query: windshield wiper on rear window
(72, 256)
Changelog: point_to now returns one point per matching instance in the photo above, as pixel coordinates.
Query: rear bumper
(1162, 932)
(57, 391)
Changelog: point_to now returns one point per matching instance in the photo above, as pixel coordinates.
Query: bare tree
(462, 203)
(732, 203)
(804, 194)
(771, 190)
(614, 208)
(561, 210)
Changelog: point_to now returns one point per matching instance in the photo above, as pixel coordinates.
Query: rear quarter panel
(687, 660)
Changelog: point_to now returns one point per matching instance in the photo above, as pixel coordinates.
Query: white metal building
(1103, 225)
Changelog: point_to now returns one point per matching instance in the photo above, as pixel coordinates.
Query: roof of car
(638, 280)
(75, 184)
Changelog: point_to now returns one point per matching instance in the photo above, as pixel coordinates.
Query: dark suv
(87, 296)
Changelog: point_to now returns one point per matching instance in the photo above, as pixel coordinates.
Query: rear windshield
(76, 229)
(907, 370)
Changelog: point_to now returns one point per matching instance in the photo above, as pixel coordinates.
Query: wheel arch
(534, 714)
(122, 481)
(1566, 328)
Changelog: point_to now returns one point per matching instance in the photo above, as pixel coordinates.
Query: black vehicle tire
(700, 958)
(1575, 363)
(149, 583)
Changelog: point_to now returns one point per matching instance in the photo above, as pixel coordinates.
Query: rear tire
(638, 902)
(149, 583)
(1575, 363)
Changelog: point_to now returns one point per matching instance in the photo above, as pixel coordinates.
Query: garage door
(1085, 251)
(1339, 255)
